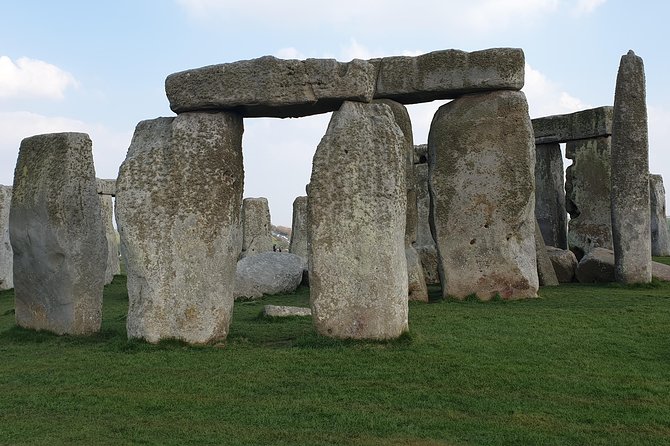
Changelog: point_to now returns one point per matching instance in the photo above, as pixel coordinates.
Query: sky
(100, 66)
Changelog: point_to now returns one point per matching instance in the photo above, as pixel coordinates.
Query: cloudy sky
(99, 66)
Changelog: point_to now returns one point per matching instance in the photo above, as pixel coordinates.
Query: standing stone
(298, 244)
(482, 157)
(6, 262)
(57, 235)
(256, 227)
(113, 266)
(630, 174)
(425, 245)
(178, 200)
(357, 215)
(545, 269)
(587, 186)
(660, 242)
(550, 195)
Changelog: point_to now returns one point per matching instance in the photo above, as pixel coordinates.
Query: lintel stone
(584, 124)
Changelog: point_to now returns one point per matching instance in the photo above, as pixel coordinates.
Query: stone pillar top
(106, 186)
(584, 124)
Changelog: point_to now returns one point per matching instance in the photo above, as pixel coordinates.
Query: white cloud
(546, 98)
(33, 78)
(289, 53)
(586, 7)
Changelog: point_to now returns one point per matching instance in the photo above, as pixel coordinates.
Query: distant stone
(596, 267)
(660, 271)
(298, 244)
(6, 255)
(416, 282)
(630, 174)
(550, 195)
(113, 266)
(272, 87)
(425, 245)
(429, 263)
(660, 242)
(268, 273)
(256, 226)
(57, 235)
(357, 212)
(584, 124)
(420, 153)
(482, 154)
(179, 194)
(564, 262)
(273, 311)
(545, 269)
(106, 187)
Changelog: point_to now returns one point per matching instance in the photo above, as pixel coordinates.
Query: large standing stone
(257, 236)
(425, 245)
(356, 214)
(57, 235)
(298, 244)
(630, 174)
(660, 242)
(481, 157)
(6, 262)
(178, 200)
(587, 186)
(550, 195)
(113, 266)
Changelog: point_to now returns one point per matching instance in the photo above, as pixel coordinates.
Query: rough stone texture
(416, 282)
(57, 235)
(425, 245)
(179, 193)
(268, 273)
(598, 267)
(273, 311)
(587, 187)
(550, 195)
(357, 214)
(272, 87)
(298, 244)
(429, 263)
(420, 153)
(660, 242)
(113, 266)
(660, 271)
(6, 255)
(564, 262)
(482, 156)
(256, 226)
(106, 187)
(545, 270)
(584, 124)
(448, 74)
(630, 174)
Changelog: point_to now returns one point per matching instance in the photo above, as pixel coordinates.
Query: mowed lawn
(581, 365)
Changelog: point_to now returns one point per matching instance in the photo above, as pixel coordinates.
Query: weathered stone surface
(660, 271)
(256, 226)
(564, 262)
(273, 311)
(113, 267)
(420, 153)
(57, 235)
(272, 87)
(357, 214)
(429, 263)
(660, 242)
(425, 245)
(416, 282)
(598, 267)
(6, 255)
(481, 155)
(106, 187)
(584, 124)
(545, 270)
(587, 187)
(448, 74)
(179, 193)
(630, 174)
(298, 244)
(550, 195)
(268, 273)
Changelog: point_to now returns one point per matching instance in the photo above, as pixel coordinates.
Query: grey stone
(57, 235)
(550, 195)
(416, 281)
(587, 187)
(448, 74)
(482, 156)
(630, 174)
(584, 124)
(425, 245)
(357, 214)
(564, 262)
(179, 193)
(272, 87)
(429, 263)
(113, 267)
(660, 242)
(298, 244)
(545, 269)
(6, 255)
(106, 187)
(268, 273)
(599, 267)
(420, 153)
(272, 311)
(256, 226)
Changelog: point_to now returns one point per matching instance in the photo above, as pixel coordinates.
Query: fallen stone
(6, 255)
(57, 236)
(660, 241)
(268, 273)
(584, 124)
(564, 263)
(545, 269)
(113, 266)
(106, 187)
(298, 244)
(550, 195)
(272, 311)
(598, 267)
(256, 227)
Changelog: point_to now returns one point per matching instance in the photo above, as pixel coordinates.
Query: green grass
(582, 365)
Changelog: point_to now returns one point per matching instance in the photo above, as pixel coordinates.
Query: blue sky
(100, 66)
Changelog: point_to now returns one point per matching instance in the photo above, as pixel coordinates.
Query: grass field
(582, 365)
